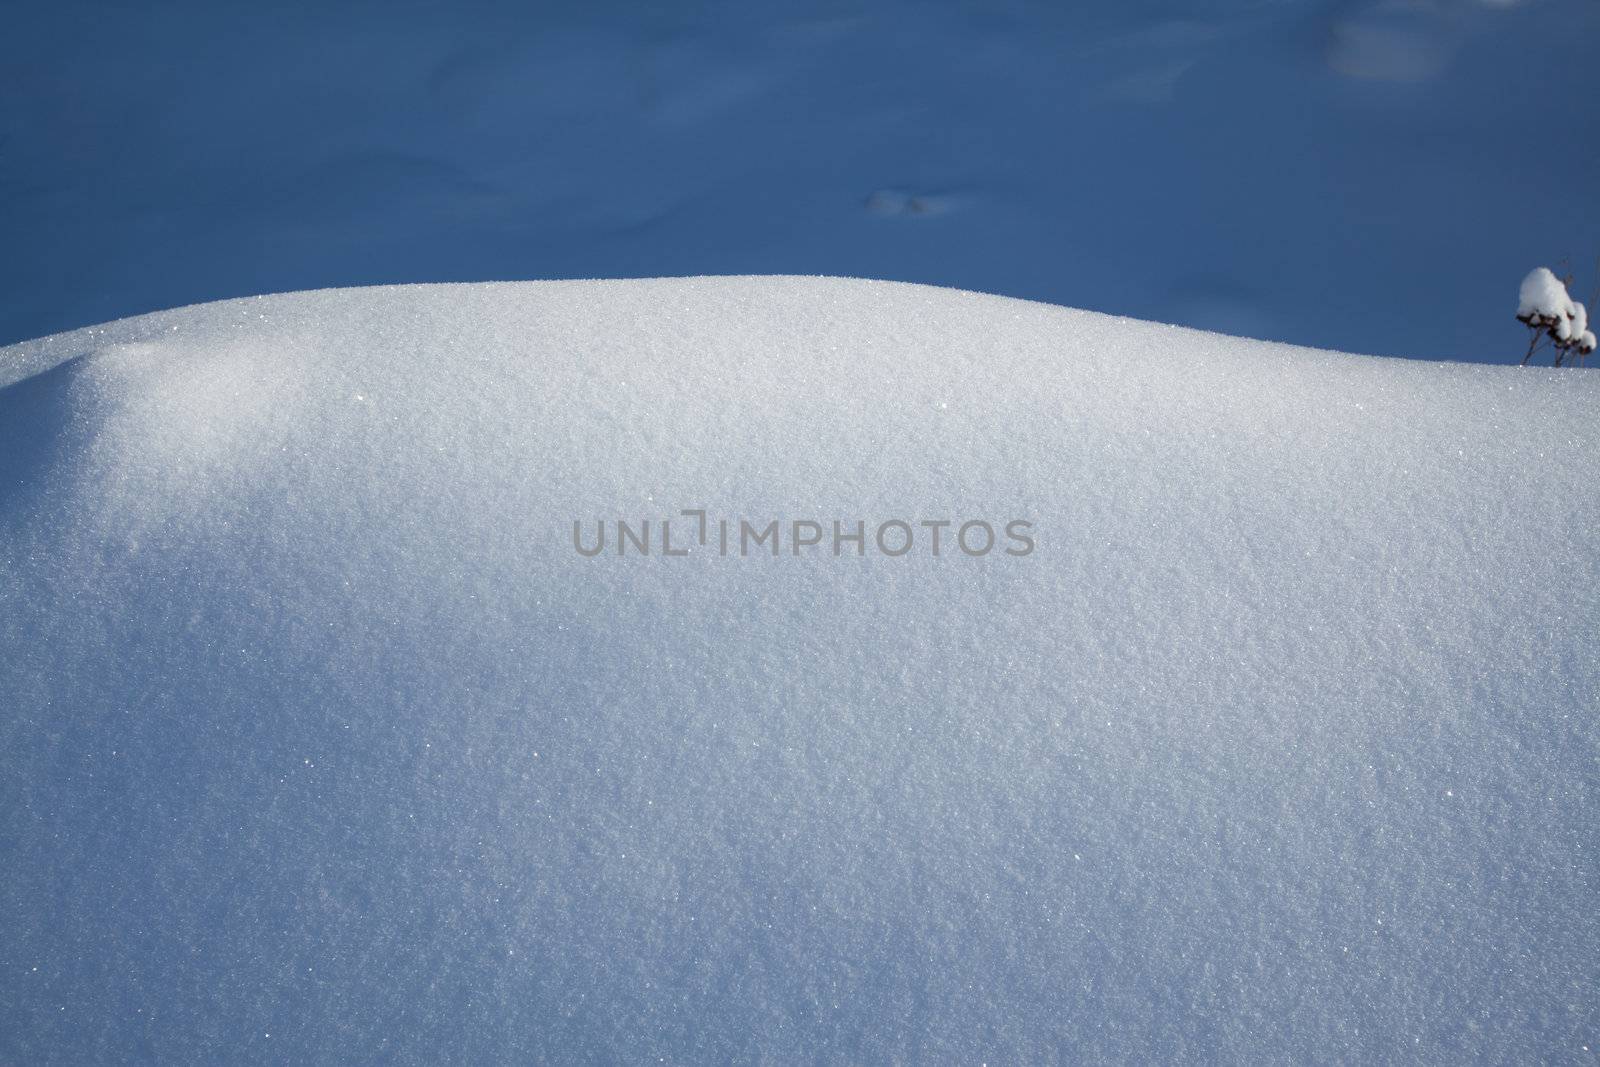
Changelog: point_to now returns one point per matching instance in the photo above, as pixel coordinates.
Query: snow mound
(323, 744)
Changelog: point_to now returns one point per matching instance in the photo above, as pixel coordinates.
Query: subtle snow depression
(322, 741)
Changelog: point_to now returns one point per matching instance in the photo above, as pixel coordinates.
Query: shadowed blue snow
(320, 744)
(1367, 176)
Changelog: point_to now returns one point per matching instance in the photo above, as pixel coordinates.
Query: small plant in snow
(1550, 313)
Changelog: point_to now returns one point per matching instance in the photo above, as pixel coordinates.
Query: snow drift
(320, 741)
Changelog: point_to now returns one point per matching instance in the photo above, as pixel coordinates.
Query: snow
(1544, 300)
(322, 744)
(1544, 304)
(1313, 171)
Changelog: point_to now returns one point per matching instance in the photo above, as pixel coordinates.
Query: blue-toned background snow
(1371, 177)
(320, 744)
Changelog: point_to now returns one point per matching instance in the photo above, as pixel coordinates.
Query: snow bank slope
(320, 741)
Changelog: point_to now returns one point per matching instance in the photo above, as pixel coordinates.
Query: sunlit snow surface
(321, 744)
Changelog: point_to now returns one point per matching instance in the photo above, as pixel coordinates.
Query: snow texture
(322, 744)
